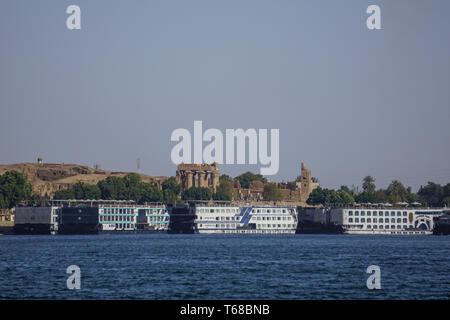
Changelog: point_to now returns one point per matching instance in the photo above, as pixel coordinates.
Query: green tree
(432, 194)
(34, 199)
(446, 195)
(332, 197)
(79, 191)
(369, 184)
(446, 201)
(247, 177)
(225, 191)
(112, 188)
(149, 193)
(66, 194)
(225, 177)
(172, 185)
(195, 193)
(317, 196)
(411, 196)
(329, 196)
(169, 197)
(88, 191)
(14, 188)
(381, 196)
(2, 202)
(345, 197)
(345, 189)
(396, 192)
(272, 192)
(366, 197)
(130, 187)
(135, 188)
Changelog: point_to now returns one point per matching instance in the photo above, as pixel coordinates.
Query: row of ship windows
(118, 211)
(253, 218)
(283, 225)
(268, 210)
(378, 213)
(206, 225)
(272, 218)
(380, 226)
(380, 220)
(220, 218)
(271, 231)
(158, 218)
(228, 210)
(150, 212)
(221, 210)
(121, 226)
(116, 218)
(233, 225)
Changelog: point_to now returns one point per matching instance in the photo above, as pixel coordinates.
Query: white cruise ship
(133, 217)
(396, 221)
(245, 219)
(114, 217)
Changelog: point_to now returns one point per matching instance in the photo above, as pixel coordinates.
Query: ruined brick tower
(305, 185)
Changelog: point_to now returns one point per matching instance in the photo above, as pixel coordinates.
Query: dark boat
(442, 224)
(181, 219)
(79, 220)
(316, 221)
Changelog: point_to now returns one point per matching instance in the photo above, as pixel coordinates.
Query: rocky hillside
(48, 178)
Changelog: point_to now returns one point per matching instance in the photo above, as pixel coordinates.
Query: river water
(163, 266)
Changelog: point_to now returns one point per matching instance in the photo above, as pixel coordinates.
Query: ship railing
(382, 206)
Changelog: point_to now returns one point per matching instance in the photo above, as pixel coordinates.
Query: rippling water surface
(224, 267)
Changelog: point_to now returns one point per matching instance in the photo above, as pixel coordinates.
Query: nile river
(162, 266)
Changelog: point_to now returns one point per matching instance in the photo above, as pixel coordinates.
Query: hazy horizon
(349, 102)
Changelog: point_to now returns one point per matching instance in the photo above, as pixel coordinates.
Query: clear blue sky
(348, 101)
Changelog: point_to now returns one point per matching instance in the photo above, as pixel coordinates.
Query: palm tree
(369, 184)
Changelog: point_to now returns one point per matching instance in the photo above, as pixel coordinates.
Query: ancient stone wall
(298, 194)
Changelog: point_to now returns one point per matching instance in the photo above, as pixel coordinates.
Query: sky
(348, 101)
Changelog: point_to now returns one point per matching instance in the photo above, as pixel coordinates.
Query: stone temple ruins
(47, 178)
(198, 175)
(207, 176)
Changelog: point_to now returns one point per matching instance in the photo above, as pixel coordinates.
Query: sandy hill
(48, 178)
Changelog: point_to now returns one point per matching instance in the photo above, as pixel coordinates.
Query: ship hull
(32, 228)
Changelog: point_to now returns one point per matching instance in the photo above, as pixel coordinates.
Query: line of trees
(14, 188)
(431, 194)
(130, 187)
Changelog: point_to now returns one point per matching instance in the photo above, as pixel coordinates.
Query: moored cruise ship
(36, 219)
(259, 219)
(115, 217)
(388, 220)
(152, 218)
